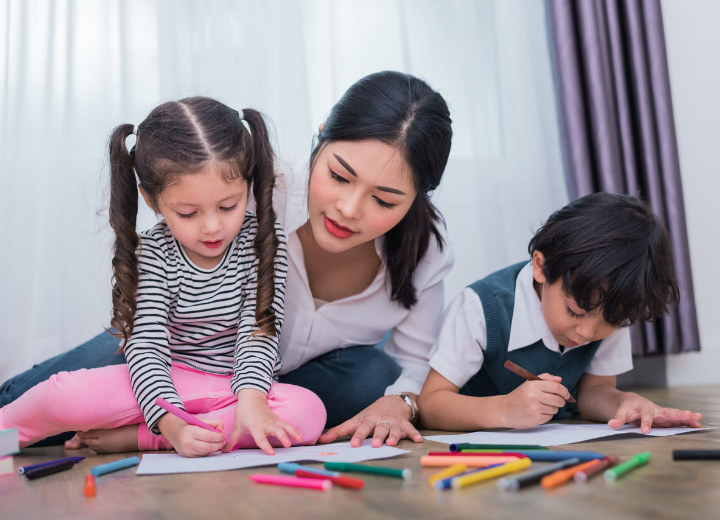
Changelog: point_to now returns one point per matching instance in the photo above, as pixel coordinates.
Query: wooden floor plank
(662, 489)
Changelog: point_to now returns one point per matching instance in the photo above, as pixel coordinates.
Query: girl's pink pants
(102, 398)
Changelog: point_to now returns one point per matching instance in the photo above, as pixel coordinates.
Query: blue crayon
(551, 456)
(292, 467)
(23, 469)
(102, 469)
(546, 455)
(446, 483)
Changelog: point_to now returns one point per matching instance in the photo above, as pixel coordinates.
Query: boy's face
(569, 324)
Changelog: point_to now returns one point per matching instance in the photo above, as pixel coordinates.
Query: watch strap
(411, 404)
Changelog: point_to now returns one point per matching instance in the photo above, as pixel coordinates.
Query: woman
(370, 258)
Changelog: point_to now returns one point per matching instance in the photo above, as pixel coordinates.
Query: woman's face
(359, 190)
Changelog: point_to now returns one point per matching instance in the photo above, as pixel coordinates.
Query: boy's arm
(443, 408)
(599, 400)
(530, 404)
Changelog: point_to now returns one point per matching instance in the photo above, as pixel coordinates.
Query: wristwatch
(413, 407)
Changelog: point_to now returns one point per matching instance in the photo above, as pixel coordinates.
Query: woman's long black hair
(404, 112)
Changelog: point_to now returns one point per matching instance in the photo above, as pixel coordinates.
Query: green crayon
(612, 474)
(375, 470)
(463, 446)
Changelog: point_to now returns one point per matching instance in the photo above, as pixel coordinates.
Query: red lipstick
(336, 229)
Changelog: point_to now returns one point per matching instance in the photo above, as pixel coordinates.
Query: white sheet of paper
(554, 434)
(159, 464)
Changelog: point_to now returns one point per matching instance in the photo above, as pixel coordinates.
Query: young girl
(598, 265)
(197, 300)
(369, 258)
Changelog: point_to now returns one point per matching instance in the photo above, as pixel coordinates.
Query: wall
(693, 45)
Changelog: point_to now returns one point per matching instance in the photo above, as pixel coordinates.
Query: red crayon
(342, 481)
(599, 466)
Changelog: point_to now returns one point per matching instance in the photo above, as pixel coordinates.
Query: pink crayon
(182, 414)
(284, 480)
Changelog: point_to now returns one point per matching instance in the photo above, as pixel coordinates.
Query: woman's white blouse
(366, 317)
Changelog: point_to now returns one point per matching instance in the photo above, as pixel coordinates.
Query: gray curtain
(618, 132)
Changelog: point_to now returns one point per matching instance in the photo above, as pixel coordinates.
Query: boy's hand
(189, 440)
(253, 416)
(643, 412)
(535, 402)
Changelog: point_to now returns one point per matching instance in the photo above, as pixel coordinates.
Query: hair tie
(243, 121)
(130, 147)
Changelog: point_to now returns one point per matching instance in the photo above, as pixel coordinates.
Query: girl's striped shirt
(200, 318)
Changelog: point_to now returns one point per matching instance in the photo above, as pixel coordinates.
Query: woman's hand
(254, 417)
(387, 420)
(189, 440)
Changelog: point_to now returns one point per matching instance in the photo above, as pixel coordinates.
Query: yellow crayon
(509, 467)
(453, 470)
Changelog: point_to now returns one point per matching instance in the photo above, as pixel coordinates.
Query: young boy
(598, 265)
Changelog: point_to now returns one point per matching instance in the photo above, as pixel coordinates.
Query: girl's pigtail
(262, 176)
(123, 216)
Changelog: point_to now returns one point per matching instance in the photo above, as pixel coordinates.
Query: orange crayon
(563, 475)
(90, 488)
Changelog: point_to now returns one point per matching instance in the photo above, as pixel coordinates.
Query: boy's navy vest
(497, 294)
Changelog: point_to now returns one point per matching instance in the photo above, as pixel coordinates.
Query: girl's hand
(534, 402)
(189, 440)
(253, 416)
(387, 419)
(643, 412)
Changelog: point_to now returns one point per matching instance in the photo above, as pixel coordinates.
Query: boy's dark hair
(180, 138)
(612, 252)
(405, 112)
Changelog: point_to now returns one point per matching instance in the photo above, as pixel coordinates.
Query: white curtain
(71, 70)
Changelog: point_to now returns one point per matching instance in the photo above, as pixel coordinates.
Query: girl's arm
(148, 351)
(148, 354)
(256, 362)
(599, 400)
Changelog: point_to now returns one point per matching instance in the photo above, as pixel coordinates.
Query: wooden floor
(662, 489)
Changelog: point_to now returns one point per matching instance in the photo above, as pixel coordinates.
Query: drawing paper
(158, 464)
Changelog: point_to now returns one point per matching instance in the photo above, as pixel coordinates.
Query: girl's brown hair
(181, 138)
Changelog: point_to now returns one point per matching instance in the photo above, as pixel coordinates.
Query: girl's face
(570, 325)
(204, 213)
(359, 190)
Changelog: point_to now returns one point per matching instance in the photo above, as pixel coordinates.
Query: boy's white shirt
(458, 353)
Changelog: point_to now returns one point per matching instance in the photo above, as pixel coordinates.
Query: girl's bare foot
(74, 444)
(115, 440)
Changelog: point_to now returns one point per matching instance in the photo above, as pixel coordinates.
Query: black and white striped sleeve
(148, 351)
(257, 357)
